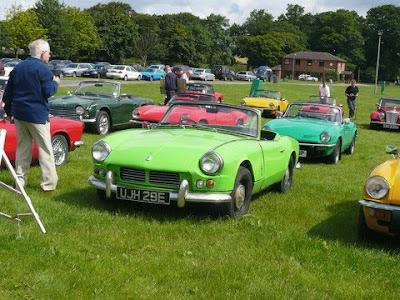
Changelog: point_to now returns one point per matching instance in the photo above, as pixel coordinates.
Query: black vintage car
(98, 71)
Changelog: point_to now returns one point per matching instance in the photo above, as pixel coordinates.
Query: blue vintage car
(320, 130)
(153, 74)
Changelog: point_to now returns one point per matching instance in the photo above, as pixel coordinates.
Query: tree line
(114, 32)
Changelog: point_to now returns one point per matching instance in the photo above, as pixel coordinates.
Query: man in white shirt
(324, 91)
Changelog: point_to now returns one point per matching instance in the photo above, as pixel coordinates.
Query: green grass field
(301, 245)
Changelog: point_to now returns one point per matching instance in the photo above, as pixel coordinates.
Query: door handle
(282, 150)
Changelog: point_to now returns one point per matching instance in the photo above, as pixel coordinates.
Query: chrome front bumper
(78, 143)
(182, 196)
(372, 204)
(317, 145)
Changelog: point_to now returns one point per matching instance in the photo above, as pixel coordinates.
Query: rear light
(120, 72)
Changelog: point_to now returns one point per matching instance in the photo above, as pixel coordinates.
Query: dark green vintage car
(98, 103)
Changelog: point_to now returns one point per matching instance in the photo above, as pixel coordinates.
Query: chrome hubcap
(59, 152)
(103, 124)
(286, 181)
(240, 195)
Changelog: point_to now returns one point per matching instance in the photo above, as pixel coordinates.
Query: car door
(347, 134)
(275, 160)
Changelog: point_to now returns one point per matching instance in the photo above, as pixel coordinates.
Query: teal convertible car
(320, 130)
(199, 152)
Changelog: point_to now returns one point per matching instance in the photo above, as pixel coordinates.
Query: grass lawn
(301, 245)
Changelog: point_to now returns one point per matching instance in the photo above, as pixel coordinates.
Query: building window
(309, 62)
(286, 61)
(297, 62)
(321, 63)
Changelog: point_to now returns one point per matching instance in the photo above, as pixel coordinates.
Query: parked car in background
(307, 77)
(268, 101)
(264, 73)
(159, 66)
(9, 66)
(58, 63)
(319, 128)
(98, 103)
(184, 68)
(380, 204)
(245, 75)
(152, 74)
(194, 87)
(203, 74)
(98, 71)
(74, 69)
(223, 73)
(137, 67)
(2, 72)
(123, 72)
(387, 114)
(3, 83)
(182, 161)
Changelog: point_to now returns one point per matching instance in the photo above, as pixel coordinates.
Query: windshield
(198, 71)
(197, 87)
(314, 111)
(322, 99)
(107, 89)
(392, 103)
(221, 117)
(71, 66)
(267, 94)
(151, 70)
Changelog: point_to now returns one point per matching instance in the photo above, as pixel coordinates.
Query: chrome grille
(64, 113)
(133, 174)
(164, 178)
(392, 116)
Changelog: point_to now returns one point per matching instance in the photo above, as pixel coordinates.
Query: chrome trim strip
(382, 123)
(86, 120)
(181, 197)
(78, 143)
(372, 204)
(317, 145)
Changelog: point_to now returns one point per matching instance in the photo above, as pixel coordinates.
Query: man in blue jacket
(25, 102)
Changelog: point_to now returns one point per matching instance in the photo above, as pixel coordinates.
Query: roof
(314, 55)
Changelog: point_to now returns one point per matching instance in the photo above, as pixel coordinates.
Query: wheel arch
(107, 110)
(248, 166)
(66, 135)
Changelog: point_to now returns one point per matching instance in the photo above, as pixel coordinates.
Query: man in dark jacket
(25, 102)
(352, 94)
(171, 84)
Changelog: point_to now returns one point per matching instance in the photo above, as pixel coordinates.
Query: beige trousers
(28, 132)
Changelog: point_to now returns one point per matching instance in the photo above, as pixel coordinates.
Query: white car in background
(245, 75)
(203, 74)
(8, 67)
(307, 77)
(123, 72)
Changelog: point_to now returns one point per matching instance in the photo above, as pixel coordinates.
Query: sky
(237, 11)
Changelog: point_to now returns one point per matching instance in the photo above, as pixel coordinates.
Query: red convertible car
(65, 136)
(205, 89)
(387, 114)
(154, 113)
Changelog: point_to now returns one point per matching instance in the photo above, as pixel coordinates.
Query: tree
(117, 30)
(53, 16)
(24, 28)
(5, 36)
(258, 23)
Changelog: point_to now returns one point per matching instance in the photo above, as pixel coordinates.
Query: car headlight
(211, 163)
(243, 102)
(135, 114)
(100, 151)
(79, 110)
(325, 137)
(272, 105)
(377, 187)
(381, 115)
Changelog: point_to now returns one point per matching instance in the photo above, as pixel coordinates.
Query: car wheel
(352, 147)
(241, 194)
(372, 126)
(59, 145)
(74, 74)
(103, 124)
(364, 233)
(98, 76)
(61, 75)
(225, 78)
(286, 182)
(335, 156)
(203, 121)
(126, 77)
(139, 78)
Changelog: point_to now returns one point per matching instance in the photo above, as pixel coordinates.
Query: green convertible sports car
(319, 128)
(98, 103)
(199, 152)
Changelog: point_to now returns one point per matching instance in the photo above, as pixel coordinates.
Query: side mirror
(283, 99)
(278, 114)
(391, 150)
(346, 120)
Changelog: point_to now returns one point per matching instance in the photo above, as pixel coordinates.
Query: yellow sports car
(380, 206)
(269, 102)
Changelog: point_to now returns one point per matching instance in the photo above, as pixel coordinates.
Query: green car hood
(303, 130)
(72, 101)
(164, 149)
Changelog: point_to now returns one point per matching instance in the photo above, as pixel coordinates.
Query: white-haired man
(25, 101)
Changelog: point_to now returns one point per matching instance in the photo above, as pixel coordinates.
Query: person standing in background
(352, 94)
(25, 99)
(324, 91)
(171, 84)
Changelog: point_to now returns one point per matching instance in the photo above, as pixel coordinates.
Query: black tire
(286, 183)
(59, 145)
(203, 121)
(225, 79)
(139, 78)
(103, 123)
(126, 78)
(335, 156)
(364, 233)
(241, 194)
(350, 150)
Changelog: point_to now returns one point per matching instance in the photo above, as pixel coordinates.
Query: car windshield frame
(183, 113)
(322, 99)
(315, 111)
(98, 88)
(385, 101)
(267, 94)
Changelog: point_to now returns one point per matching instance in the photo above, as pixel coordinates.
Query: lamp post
(377, 59)
(294, 59)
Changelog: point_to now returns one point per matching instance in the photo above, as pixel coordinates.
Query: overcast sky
(235, 10)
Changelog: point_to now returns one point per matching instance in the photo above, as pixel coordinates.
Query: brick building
(318, 64)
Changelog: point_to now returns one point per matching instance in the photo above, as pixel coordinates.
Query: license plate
(154, 197)
(390, 126)
(303, 153)
(385, 215)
